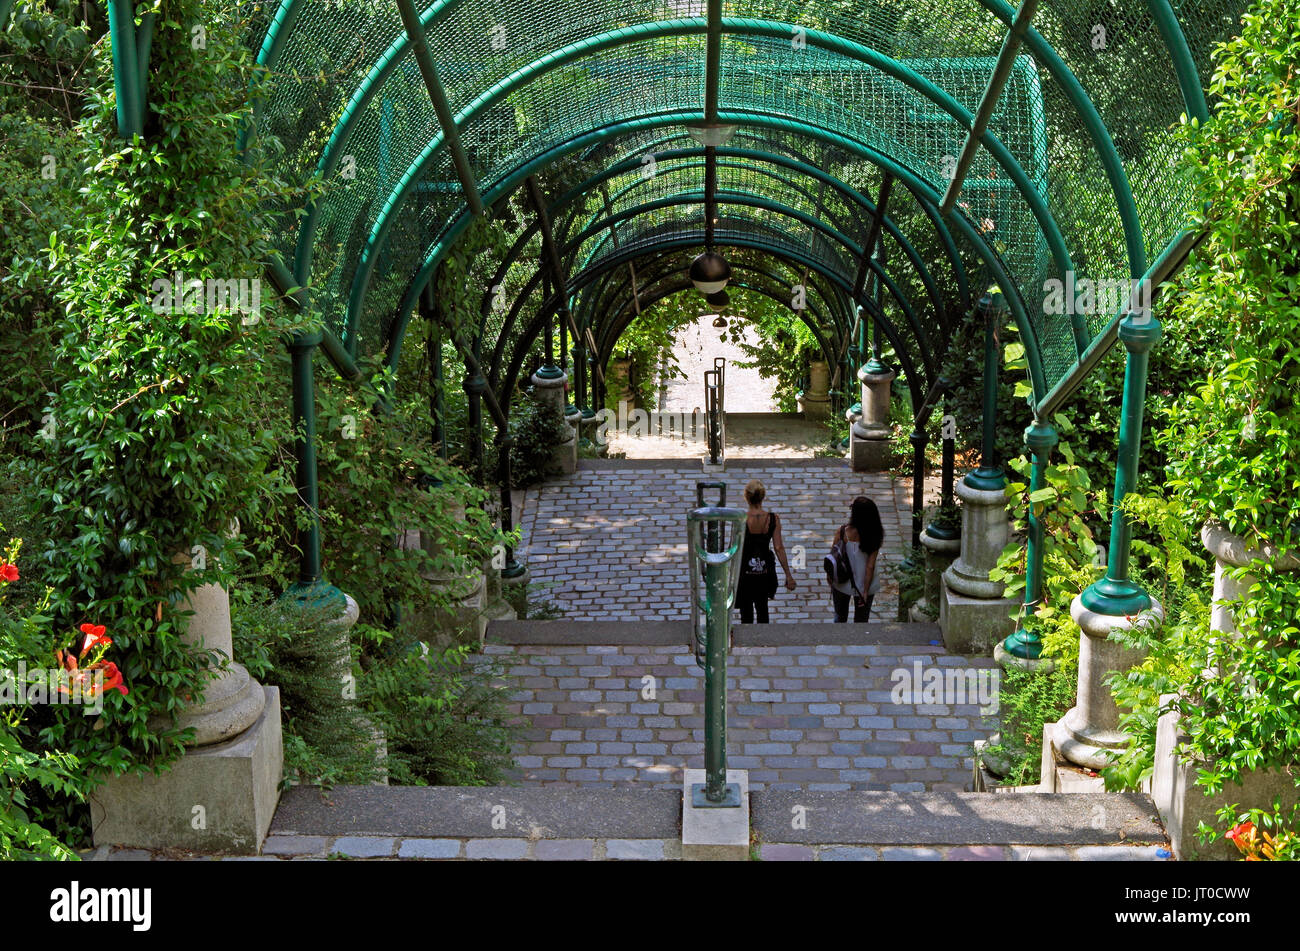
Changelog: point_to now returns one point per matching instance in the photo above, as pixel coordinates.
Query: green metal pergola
(913, 162)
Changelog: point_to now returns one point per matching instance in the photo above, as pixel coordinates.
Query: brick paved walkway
(610, 543)
(818, 718)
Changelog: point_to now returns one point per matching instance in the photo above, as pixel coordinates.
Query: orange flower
(95, 636)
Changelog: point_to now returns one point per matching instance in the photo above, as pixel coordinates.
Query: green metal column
(301, 350)
(989, 475)
(311, 589)
(1115, 594)
(474, 385)
(946, 532)
(918, 440)
(126, 68)
(1040, 438)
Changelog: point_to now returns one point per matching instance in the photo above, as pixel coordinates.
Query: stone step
(925, 637)
(738, 463)
(547, 812)
(875, 824)
(957, 818)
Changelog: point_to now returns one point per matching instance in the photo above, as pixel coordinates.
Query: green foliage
(536, 428)
(1026, 702)
(1069, 509)
(1232, 441)
(327, 740)
(150, 443)
(23, 770)
(444, 717)
(380, 476)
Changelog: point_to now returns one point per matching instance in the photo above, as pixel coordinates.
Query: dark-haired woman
(863, 536)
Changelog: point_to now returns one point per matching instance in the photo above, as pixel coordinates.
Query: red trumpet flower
(8, 572)
(95, 636)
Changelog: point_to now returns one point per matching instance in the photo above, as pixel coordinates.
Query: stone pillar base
(814, 406)
(1089, 733)
(939, 556)
(515, 591)
(973, 625)
(564, 458)
(869, 452)
(214, 798)
(463, 621)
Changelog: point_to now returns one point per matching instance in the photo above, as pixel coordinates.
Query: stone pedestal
(222, 793)
(1183, 805)
(939, 556)
(219, 797)
(460, 618)
(815, 402)
(588, 426)
(715, 834)
(1090, 731)
(514, 588)
(548, 388)
(973, 614)
(869, 448)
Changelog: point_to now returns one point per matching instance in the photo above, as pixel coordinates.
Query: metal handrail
(715, 417)
(718, 560)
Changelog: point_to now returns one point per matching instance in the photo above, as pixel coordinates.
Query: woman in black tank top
(762, 547)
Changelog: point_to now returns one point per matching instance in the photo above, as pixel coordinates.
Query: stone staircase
(840, 766)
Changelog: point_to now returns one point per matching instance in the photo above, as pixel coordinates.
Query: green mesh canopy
(1075, 174)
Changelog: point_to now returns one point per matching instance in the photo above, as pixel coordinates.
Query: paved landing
(609, 543)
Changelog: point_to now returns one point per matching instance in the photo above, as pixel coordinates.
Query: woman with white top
(863, 536)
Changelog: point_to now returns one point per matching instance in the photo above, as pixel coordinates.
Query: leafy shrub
(327, 737)
(536, 427)
(445, 719)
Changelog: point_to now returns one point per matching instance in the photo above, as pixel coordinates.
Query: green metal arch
(619, 302)
(927, 279)
(805, 165)
(923, 191)
(689, 27)
(615, 328)
(621, 292)
(767, 204)
(915, 386)
(1043, 52)
(575, 285)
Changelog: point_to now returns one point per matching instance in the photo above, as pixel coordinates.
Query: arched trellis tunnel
(897, 161)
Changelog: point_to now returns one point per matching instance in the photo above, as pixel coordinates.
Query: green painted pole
(989, 101)
(712, 59)
(1116, 595)
(918, 440)
(1040, 438)
(301, 350)
(126, 68)
(438, 97)
(989, 475)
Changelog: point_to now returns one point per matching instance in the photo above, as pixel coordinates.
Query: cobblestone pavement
(610, 544)
(817, 718)
(397, 848)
